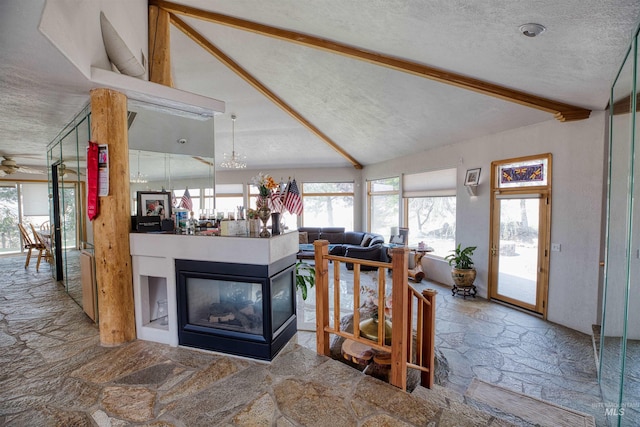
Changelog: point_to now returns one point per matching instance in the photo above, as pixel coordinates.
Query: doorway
(519, 232)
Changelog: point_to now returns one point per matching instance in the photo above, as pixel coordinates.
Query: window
(26, 203)
(430, 209)
(432, 220)
(194, 193)
(9, 233)
(328, 204)
(384, 205)
(35, 204)
(529, 173)
(228, 198)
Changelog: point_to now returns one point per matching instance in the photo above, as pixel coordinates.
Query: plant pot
(463, 278)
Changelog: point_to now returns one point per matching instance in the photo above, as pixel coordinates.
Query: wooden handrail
(402, 298)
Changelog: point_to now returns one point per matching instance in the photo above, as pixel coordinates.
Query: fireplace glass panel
(282, 300)
(225, 304)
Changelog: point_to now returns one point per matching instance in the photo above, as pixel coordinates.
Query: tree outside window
(9, 233)
(432, 220)
(328, 204)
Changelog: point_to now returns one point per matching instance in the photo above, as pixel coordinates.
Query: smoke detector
(532, 30)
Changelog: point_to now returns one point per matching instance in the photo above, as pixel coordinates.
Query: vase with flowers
(266, 188)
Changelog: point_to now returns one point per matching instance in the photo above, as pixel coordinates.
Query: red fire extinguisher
(92, 181)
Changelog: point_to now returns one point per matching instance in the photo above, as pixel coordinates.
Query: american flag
(186, 202)
(293, 201)
(276, 202)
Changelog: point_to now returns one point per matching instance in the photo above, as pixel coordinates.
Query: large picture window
(328, 204)
(432, 220)
(430, 209)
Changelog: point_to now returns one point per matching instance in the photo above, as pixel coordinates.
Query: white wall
(578, 150)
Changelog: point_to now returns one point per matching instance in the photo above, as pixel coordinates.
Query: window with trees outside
(432, 220)
(430, 209)
(9, 233)
(328, 204)
(384, 205)
(26, 203)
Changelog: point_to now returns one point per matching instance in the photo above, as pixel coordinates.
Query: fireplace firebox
(242, 309)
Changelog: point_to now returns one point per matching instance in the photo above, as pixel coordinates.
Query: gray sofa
(354, 244)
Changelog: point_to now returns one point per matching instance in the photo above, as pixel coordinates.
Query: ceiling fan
(9, 166)
(64, 170)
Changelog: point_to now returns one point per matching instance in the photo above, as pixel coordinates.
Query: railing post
(428, 337)
(400, 321)
(321, 248)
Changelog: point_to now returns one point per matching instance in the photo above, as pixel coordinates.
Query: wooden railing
(403, 320)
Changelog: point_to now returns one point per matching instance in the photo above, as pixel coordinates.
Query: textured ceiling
(373, 113)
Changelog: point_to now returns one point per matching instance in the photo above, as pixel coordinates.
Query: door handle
(493, 251)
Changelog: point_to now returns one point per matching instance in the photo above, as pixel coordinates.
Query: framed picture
(473, 177)
(154, 203)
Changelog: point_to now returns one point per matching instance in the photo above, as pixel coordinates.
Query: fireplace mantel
(153, 259)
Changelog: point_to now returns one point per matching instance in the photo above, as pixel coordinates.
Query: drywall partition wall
(74, 28)
(578, 151)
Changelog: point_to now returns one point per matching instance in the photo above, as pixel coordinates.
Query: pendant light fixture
(235, 160)
(138, 178)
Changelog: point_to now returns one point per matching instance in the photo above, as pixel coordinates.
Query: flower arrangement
(271, 195)
(265, 183)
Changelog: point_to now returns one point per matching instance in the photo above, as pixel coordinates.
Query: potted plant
(462, 270)
(305, 277)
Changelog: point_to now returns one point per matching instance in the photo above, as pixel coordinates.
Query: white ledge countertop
(233, 249)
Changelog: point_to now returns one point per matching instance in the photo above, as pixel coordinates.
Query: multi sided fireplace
(242, 309)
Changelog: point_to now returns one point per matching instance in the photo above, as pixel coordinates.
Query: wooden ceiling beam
(235, 67)
(561, 111)
(159, 47)
(623, 106)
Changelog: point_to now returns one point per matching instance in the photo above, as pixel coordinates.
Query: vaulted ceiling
(371, 112)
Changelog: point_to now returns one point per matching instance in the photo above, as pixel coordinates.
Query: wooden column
(159, 47)
(400, 326)
(111, 227)
(321, 248)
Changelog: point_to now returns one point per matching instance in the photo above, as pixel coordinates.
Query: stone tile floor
(54, 371)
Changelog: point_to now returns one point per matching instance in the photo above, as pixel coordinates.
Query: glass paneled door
(519, 233)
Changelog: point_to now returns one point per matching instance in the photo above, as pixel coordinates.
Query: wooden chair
(29, 244)
(43, 247)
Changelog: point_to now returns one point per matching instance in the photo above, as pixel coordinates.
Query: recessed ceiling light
(182, 141)
(532, 30)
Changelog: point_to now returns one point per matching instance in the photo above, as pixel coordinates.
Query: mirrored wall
(69, 233)
(619, 355)
(168, 148)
